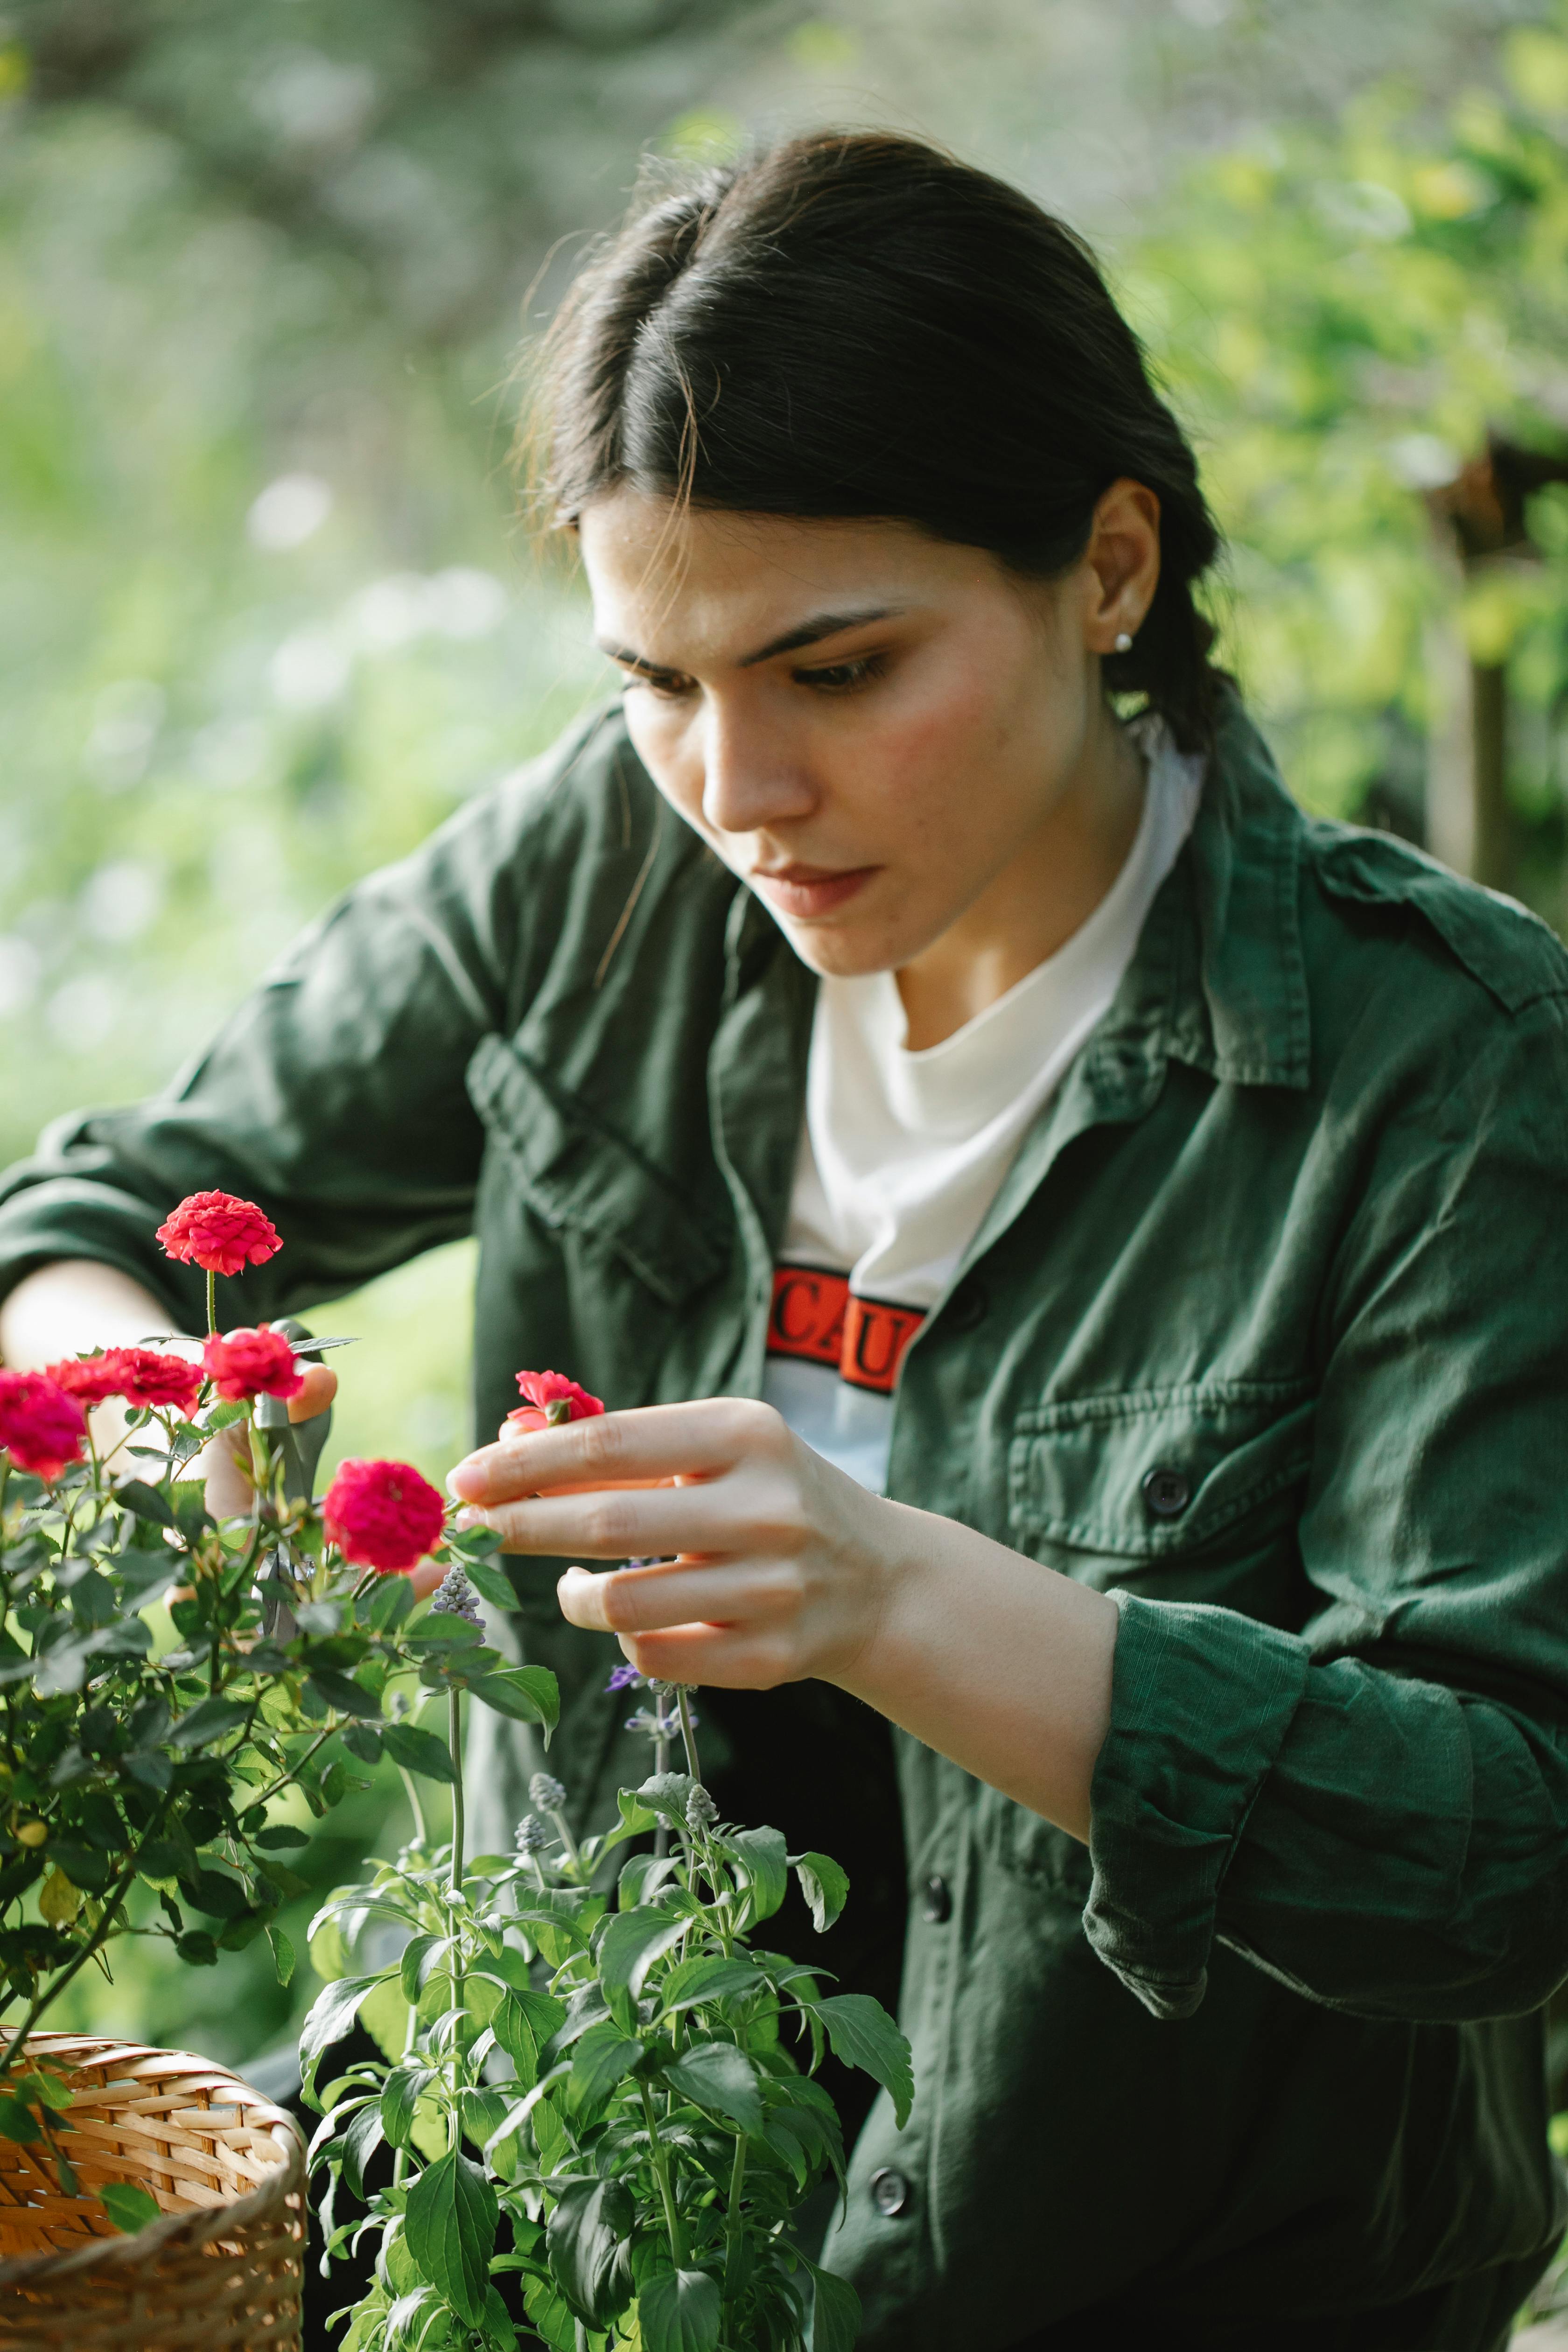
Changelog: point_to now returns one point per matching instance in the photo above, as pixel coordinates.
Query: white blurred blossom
(20, 967)
(289, 512)
(229, 754)
(1423, 462)
(121, 899)
(308, 671)
(82, 1011)
(126, 719)
(465, 603)
(403, 606)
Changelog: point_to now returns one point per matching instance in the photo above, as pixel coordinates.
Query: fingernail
(471, 1518)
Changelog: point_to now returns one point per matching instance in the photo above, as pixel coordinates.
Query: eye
(843, 678)
(669, 685)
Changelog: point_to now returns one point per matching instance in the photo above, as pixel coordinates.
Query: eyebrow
(809, 633)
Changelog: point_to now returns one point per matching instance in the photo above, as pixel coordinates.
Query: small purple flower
(455, 1597)
(625, 1678)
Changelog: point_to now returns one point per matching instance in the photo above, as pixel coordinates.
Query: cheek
(665, 742)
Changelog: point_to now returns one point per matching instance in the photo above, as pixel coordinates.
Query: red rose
(215, 1230)
(543, 1389)
(41, 1427)
(146, 1376)
(252, 1363)
(89, 1378)
(383, 1515)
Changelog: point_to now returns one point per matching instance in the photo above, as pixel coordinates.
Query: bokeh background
(266, 613)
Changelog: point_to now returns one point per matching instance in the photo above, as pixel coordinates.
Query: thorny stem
(666, 2189)
(212, 1304)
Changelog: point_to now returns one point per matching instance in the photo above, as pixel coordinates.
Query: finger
(721, 1656)
(320, 1387)
(634, 1600)
(644, 1523)
(650, 1442)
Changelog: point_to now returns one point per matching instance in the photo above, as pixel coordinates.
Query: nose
(752, 774)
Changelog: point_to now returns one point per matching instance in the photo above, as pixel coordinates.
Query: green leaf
(283, 1958)
(196, 1948)
(363, 1740)
(526, 1694)
(550, 2315)
(128, 2207)
(517, 2038)
(630, 1944)
(389, 1603)
(135, 1495)
(589, 2240)
(825, 1886)
(666, 1794)
(490, 1581)
(400, 2095)
(678, 2311)
(835, 2312)
(763, 1853)
(280, 1833)
(601, 2058)
(332, 2012)
(450, 2224)
(206, 1722)
(717, 2076)
(411, 1968)
(863, 2036)
(342, 1692)
(17, 2121)
(417, 1750)
(362, 2138)
(696, 1982)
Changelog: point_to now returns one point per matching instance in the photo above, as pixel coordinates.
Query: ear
(1122, 566)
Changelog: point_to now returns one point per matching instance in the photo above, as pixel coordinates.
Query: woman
(1080, 1245)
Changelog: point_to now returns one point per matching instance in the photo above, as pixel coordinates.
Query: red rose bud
(547, 1392)
(89, 1378)
(41, 1427)
(149, 1377)
(220, 1232)
(383, 1515)
(252, 1363)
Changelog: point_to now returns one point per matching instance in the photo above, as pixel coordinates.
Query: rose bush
(131, 1756)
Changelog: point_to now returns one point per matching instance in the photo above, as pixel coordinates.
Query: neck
(1039, 900)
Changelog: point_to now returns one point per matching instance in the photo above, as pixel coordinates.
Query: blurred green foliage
(266, 615)
(1344, 315)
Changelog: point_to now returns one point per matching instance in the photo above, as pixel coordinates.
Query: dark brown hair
(858, 324)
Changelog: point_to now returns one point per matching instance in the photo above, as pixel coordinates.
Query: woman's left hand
(771, 1564)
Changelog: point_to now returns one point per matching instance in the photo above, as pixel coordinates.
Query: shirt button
(938, 1905)
(890, 2194)
(1166, 1492)
(968, 1307)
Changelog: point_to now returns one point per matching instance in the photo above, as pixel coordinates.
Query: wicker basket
(222, 2267)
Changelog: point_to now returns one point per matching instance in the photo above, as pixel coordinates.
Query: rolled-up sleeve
(1375, 1809)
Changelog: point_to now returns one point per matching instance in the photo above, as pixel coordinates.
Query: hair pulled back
(856, 324)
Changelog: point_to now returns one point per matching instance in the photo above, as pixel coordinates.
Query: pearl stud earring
(1124, 643)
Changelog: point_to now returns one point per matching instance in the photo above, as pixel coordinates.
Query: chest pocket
(1187, 1493)
(1162, 1485)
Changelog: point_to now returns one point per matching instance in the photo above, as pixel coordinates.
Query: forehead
(684, 585)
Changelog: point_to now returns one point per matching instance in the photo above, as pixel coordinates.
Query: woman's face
(871, 727)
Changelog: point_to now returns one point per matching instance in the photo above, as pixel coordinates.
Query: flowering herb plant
(602, 2088)
(155, 1746)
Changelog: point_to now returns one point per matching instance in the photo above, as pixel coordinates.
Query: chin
(842, 955)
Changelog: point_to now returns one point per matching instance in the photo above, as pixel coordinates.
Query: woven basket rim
(188, 2230)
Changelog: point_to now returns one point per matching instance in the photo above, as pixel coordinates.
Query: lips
(806, 890)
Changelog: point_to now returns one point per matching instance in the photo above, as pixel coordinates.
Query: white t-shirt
(902, 1153)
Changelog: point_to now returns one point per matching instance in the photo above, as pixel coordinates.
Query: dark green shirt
(1293, 1235)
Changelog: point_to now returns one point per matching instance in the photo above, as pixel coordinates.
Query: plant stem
(454, 1882)
(732, 2219)
(89, 1951)
(415, 1807)
(295, 1769)
(212, 1304)
(688, 1734)
(665, 2187)
(455, 1742)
